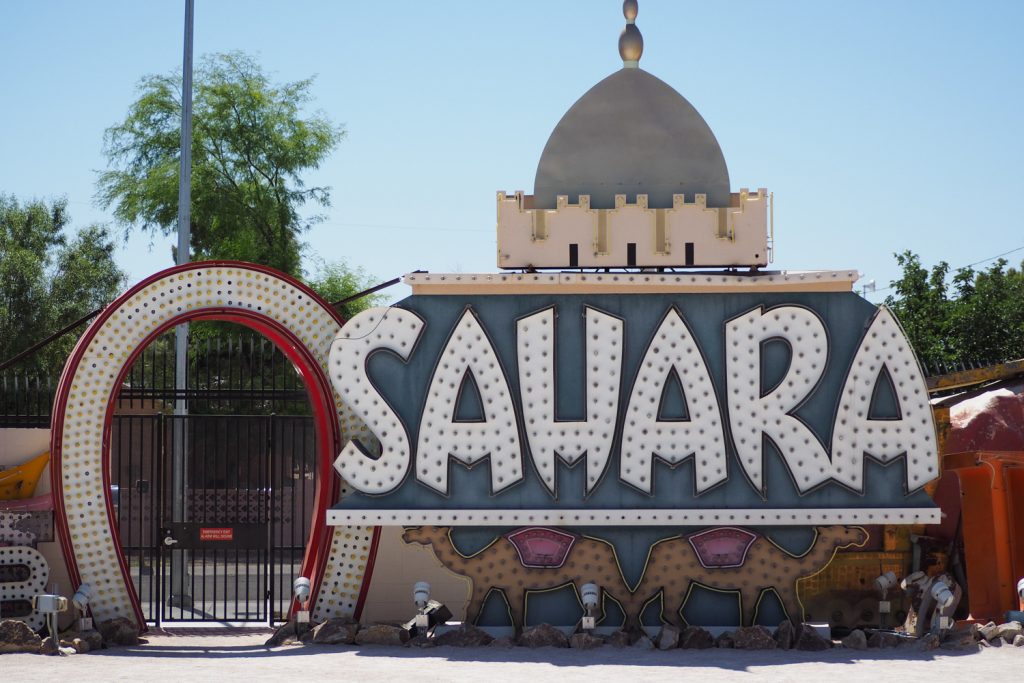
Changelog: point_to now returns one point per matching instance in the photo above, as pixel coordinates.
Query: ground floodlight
(885, 583)
(301, 589)
(50, 606)
(421, 594)
(82, 597)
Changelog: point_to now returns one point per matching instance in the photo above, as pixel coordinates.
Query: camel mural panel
(727, 559)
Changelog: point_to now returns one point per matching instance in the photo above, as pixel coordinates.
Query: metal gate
(213, 512)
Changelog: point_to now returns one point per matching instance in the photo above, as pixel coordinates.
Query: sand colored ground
(197, 656)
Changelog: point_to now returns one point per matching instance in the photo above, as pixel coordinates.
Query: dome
(631, 134)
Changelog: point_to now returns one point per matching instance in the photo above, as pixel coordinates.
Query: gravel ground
(235, 656)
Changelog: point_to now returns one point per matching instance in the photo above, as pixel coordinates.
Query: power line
(423, 228)
(969, 265)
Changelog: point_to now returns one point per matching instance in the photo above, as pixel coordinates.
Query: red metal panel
(980, 543)
(1014, 476)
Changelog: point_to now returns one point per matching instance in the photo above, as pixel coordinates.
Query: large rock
(421, 640)
(381, 634)
(504, 643)
(856, 640)
(988, 631)
(725, 640)
(928, 641)
(695, 638)
(289, 632)
(753, 638)
(92, 638)
(619, 639)
(1018, 641)
(884, 639)
(50, 646)
(543, 635)
(119, 631)
(963, 639)
(80, 646)
(808, 639)
(585, 641)
(785, 635)
(466, 635)
(667, 638)
(1009, 630)
(643, 643)
(337, 631)
(16, 636)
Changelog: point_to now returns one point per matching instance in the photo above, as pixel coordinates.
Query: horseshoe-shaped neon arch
(288, 313)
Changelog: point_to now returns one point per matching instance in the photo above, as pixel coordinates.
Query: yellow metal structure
(19, 482)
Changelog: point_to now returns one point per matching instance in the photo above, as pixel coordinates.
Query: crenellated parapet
(689, 234)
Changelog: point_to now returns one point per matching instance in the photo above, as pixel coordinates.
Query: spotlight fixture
(429, 613)
(884, 584)
(80, 600)
(50, 606)
(301, 589)
(590, 596)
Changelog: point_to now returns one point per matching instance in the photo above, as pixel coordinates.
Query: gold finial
(631, 43)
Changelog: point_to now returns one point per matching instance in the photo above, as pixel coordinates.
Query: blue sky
(879, 126)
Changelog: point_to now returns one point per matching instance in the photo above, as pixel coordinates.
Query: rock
(1018, 641)
(49, 646)
(1009, 630)
(421, 640)
(81, 645)
(928, 641)
(988, 631)
(785, 635)
(505, 642)
(667, 638)
(962, 639)
(856, 640)
(585, 641)
(466, 635)
(119, 631)
(725, 640)
(288, 632)
(543, 635)
(643, 643)
(753, 638)
(884, 639)
(92, 638)
(996, 642)
(381, 634)
(808, 639)
(695, 638)
(338, 631)
(16, 636)
(619, 639)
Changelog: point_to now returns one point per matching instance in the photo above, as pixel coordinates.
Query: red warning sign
(216, 534)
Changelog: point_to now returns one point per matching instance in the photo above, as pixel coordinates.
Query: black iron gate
(213, 512)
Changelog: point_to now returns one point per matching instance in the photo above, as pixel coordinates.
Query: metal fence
(227, 374)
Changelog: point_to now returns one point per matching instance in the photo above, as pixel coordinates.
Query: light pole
(179, 459)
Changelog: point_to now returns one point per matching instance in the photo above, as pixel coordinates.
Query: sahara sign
(760, 408)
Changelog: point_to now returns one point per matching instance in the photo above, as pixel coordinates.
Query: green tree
(47, 280)
(982, 320)
(251, 146)
(336, 280)
(987, 321)
(922, 305)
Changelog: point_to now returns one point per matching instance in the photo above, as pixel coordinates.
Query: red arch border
(317, 385)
